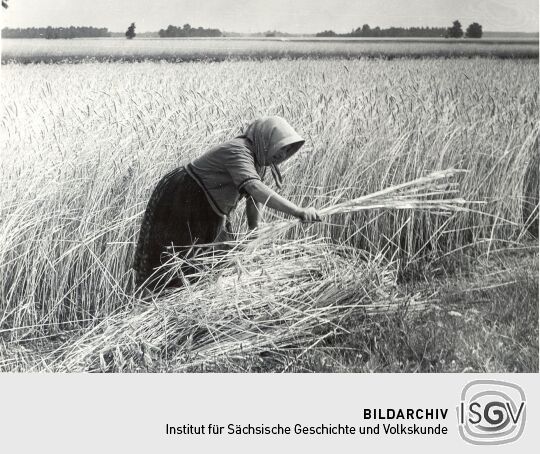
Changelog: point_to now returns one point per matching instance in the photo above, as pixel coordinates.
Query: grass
(175, 50)
(83, 146)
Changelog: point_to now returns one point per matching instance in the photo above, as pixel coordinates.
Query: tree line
(393, 32)
(56, 32)
(473, 31)
(187, 31)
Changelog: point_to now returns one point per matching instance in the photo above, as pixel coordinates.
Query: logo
(491, 412)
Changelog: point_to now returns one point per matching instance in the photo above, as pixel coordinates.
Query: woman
(190, 204)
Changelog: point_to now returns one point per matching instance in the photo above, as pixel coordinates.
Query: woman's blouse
(223, 171)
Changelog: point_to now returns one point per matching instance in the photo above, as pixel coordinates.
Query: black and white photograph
(269, 186)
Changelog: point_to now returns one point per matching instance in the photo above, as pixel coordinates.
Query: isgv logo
(491, 412)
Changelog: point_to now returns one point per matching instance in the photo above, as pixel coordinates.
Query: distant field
(181, 49)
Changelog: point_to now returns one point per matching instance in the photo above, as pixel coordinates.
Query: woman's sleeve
(240, 164)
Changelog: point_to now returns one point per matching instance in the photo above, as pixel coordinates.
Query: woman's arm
(266, 196)
(252, 213)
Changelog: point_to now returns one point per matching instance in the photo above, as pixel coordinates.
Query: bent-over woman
(191, 204)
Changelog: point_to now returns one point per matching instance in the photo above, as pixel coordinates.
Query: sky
(293, 16)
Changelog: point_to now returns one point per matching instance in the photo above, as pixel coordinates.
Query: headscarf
(269, 135)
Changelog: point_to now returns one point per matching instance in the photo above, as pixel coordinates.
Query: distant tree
(455, 31)
(474, 31)
(326, 34)
(366, 30)
(5, 3)
(130, 33)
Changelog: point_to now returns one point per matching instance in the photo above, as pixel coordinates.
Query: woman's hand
(263, 195)
(309, 215)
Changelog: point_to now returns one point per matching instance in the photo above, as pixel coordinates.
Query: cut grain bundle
(425, 193)
(284, 297)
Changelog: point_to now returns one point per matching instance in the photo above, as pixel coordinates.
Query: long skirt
(178, 216)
